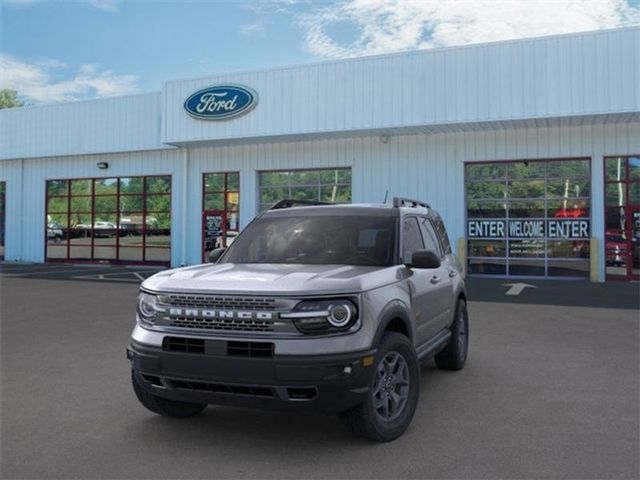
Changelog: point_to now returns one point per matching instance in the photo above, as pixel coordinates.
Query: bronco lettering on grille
(232, 314)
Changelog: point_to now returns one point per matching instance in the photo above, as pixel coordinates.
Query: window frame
(290, 185)
(226, 210)
(404, 218)
(627, 181)
(505, 178)
(145, 230)
(426, 223)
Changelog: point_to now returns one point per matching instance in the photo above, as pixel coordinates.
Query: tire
(368, 419)
(454, 355)
(163, 406)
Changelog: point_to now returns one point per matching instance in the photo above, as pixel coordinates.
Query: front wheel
(394, 392)
(454, 356)
(163, 406)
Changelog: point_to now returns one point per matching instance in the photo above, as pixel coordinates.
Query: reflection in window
(109, 219)
(331, 185)
(523, 195)
(616, 194)
(487, 248)
(486, 209)
(221, 204)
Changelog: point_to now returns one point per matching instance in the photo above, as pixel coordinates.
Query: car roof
(370, 209)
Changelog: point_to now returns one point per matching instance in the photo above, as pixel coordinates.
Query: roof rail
(289, 203)
(408, 202)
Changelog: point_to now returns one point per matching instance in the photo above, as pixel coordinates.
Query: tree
(9, 99)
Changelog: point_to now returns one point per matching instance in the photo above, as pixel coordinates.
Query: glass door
(622, 218)
(220, 210)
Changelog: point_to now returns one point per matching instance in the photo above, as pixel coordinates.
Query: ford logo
(221, 102)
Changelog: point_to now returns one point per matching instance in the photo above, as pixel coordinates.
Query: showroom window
(622, 217)
(119, 219)
(220, 210)
(3, 187)
(328, 185)
(529, 218)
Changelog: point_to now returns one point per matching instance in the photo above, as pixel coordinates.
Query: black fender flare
(391, 311)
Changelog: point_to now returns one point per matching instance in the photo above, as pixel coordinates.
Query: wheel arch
(395, 317)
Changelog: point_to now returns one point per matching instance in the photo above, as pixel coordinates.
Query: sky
(57, 51)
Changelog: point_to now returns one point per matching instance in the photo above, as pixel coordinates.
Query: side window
(411, 238)
(444, 238)
(430, 239)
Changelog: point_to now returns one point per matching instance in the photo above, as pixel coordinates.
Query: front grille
(255, 391)
(250, 349)
(221, 302)
(222, 324)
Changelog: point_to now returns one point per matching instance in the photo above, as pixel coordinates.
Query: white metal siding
(561, 76)
(97, 126)
(26, 240)
(425, 166)
(11, 173)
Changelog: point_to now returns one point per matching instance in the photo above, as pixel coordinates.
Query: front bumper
(325, 384)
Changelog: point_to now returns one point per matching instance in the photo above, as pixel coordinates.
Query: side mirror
(424, 259)
(215, 254)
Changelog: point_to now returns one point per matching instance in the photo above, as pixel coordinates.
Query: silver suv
(314, 308)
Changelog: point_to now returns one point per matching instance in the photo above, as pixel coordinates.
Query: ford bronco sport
(313, 308)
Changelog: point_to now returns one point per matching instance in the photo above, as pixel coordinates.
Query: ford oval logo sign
(221, 102)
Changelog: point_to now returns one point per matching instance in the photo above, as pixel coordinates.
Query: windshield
(342, 240)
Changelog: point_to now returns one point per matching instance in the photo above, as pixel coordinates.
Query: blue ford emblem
(221, 102)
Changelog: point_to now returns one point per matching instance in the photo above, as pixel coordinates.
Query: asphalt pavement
(549, 391)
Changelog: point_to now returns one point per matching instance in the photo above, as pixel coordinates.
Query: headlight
(323, 316)
(147, 307)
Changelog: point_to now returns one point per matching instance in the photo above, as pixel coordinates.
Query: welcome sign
(556, 229)
(221, 102)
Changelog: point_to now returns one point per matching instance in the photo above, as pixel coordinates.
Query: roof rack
(408, 202)
(289, 203)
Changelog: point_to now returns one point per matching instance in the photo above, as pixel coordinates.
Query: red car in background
(615, 248)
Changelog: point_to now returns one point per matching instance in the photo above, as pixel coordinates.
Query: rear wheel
(394, 392)
(454, 356)
(163, 406)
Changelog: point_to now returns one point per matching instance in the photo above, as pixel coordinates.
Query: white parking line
(38, 272)
(112, 277)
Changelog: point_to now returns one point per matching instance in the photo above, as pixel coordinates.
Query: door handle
(435, 279)
(452, 273)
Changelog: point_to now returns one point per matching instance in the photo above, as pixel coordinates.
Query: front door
(622, 218)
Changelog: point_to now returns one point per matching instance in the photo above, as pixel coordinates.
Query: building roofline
(313, 64)
(75, 102)
(408, 53)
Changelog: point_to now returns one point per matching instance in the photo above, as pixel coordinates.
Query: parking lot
(551, 390)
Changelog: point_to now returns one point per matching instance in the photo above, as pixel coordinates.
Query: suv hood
(283, 279)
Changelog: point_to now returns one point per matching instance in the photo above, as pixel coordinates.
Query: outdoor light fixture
(103, 165)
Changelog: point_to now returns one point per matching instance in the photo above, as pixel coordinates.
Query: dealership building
(529, 149)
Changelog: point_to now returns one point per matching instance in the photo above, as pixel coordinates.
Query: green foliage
(333, 185)
(9, 99)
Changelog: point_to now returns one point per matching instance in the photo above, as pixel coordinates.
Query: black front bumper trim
(316, 384)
